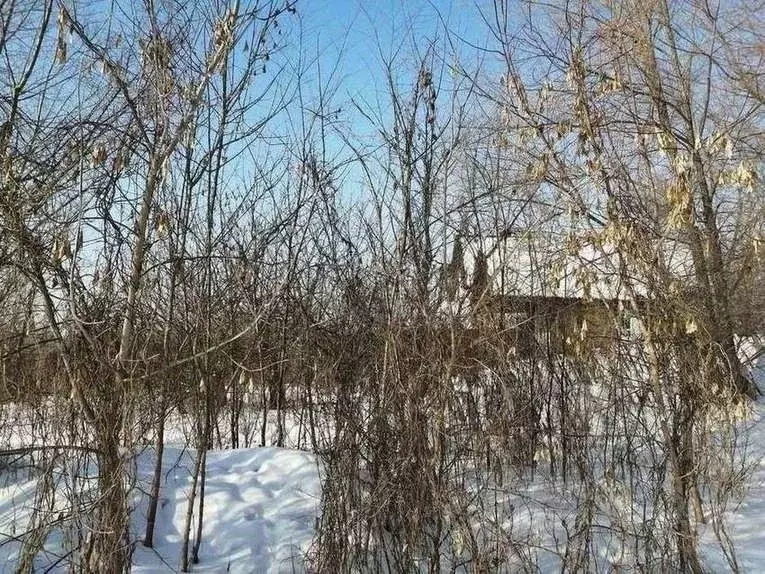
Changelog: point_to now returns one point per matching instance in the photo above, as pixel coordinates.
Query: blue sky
(353, 38)
(361, 33)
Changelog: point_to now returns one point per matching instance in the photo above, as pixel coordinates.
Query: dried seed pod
(162, 224)
(61, 249)
(60, 50)
(98, 155)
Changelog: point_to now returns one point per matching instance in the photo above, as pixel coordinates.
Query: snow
(535, 265)
(261, 506)
(260, 510)
(745, 520)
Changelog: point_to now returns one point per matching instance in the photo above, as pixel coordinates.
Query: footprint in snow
(251, 514)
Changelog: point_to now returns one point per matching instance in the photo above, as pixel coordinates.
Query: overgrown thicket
(189, 236)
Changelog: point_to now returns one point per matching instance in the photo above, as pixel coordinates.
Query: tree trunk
(110, 550)
(202, 479)
(151, 517)
(184, 562)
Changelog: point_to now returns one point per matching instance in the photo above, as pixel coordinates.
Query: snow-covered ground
(260, 511)
(746, 520)
(262, 504)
